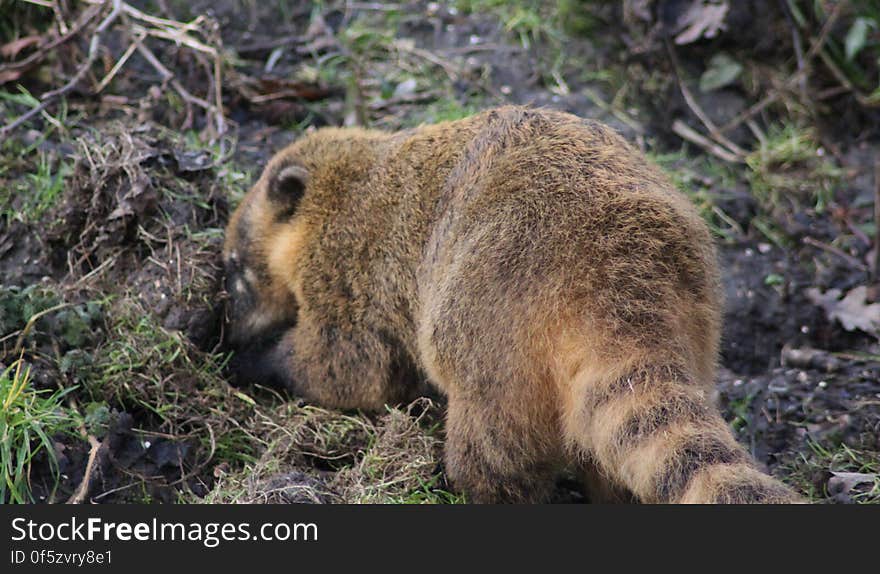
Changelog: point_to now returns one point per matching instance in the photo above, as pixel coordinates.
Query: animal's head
(260, 253)
(267, 236)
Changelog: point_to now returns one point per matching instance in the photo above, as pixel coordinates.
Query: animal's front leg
(264, 361)
(347, 368)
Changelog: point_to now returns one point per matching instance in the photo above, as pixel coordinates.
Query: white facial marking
(258, 320)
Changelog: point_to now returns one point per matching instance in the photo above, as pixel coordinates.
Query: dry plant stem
(168, 76)
(798, 47)
(722, 141)
(86, 17)
(49, 97)
(94, 448)
(815, 49)
(836, 251)
(614, 110)
(686, 132)
(19, 343)
(845, 84)
(452, 71)
(116, 67)
(58, 10)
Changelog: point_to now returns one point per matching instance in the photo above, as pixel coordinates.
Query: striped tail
(657, 433)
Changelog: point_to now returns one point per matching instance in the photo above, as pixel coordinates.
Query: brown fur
(545, 277)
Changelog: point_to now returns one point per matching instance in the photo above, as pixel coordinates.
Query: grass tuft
(790, 166)
(319, 456)
(29, 418)
(812, 470)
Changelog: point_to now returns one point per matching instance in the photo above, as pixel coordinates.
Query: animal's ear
(287, 187)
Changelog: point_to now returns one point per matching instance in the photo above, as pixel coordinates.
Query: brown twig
(798, 47)
(686, 132)
(94, 448)
(19, 343)
(92, 55)
(836, 251)
(41, 52)
(815, 47)
(691, 102)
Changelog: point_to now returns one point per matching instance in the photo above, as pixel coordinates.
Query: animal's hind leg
(495, 458)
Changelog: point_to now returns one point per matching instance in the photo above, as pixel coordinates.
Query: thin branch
(19, 343)
(49, 97)
(714, 132)
(795, 78)
(41, 52)
(688, 133)
(94, 448)
(836, 251)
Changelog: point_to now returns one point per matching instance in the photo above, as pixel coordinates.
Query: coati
(552, 283)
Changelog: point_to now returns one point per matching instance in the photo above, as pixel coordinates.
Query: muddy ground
(116, 220)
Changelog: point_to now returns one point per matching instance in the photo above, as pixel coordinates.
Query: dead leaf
(11, 49)
(853, 311)
(704, 19)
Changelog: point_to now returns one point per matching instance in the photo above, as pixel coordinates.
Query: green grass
(446, 109)
(428, 493)
(22, 18)
(740, 408)
(142, 367)
(28, 197)
(36, 315)
(29, 419)
(790, 167)
(852, 48)
(534, 21)
(823, 458)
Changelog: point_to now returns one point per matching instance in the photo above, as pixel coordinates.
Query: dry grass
(314, 455)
